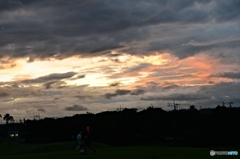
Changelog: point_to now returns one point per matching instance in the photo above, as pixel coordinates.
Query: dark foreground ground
(66, 150)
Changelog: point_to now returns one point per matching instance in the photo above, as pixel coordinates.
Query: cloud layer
(58, 29)
(59, 58)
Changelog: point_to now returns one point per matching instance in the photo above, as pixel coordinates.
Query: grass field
(66, 150)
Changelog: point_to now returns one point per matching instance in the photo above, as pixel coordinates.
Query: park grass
(66, 150)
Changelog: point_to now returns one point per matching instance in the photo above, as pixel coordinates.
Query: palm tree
(8, 118)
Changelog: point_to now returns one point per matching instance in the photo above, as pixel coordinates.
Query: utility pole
(174, 105)
(223, 104)
(119, 109)
(36, 117)
(230, 104)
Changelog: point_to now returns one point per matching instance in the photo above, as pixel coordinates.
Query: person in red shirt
(88, 139)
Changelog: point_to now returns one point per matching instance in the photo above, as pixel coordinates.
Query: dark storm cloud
(76, 108)
(3, 94)
(222, 91)
(167, 85)
(54, 84)
(49, 84)
(78, 77)
(64, 28)
(82, 97)
(120, 92)
(225, 11)
(137, 68)
(210, 95)
(9, 5)
(178, 97)
(138, 92)
(41, 110)
(115, 84)
(232, 75)
(208, 37)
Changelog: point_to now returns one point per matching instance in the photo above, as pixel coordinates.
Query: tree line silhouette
(207, 127)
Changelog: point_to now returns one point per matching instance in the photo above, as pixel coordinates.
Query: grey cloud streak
(41, 110)
(4, 94)
(50, 77)
(76, 108)
(138, 92)
(48, 81)
(83, 97)
(178, 97)
(137, 68)
(232, 75)
(120, 92)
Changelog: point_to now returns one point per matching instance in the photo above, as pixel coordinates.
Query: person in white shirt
(79, 141)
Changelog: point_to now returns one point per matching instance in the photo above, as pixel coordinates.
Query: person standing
(79, 141)
(88, 139)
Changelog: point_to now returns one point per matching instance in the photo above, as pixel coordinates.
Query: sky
(64, 57)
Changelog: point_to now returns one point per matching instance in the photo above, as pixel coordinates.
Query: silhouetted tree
(7, 117)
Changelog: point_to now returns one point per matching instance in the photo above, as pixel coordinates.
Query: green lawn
(66, 150)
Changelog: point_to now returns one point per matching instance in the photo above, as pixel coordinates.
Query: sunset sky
(64, 57)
